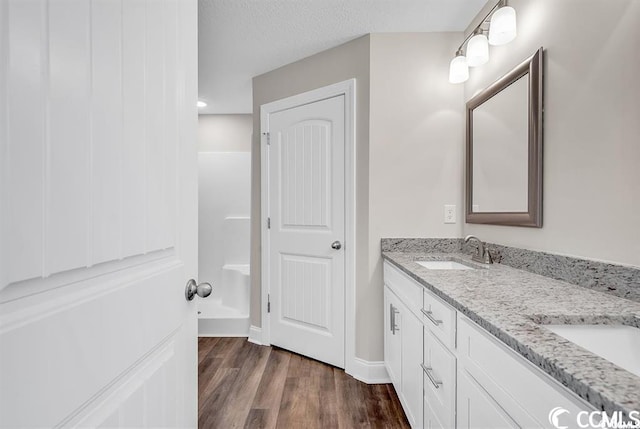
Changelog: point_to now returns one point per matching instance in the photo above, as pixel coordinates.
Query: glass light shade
(458, 69)
(477, 50)
(502, 29)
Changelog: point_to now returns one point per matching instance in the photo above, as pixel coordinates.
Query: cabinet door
(430, 419)
(476, 409)
(392, 339)
(439, 380)
(411, 369)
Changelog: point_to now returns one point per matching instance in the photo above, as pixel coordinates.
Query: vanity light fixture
(502, 28)
(478, 49)
(500, 23)
(458, 69)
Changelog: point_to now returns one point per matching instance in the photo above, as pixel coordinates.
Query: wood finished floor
(243, 385)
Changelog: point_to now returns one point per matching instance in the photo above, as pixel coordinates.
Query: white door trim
(348, 89)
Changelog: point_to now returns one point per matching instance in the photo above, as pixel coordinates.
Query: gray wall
(224, 133)
(347, 61)
(591, 126)
(415, 160)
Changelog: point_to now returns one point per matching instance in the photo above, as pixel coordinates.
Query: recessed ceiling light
(202, 103)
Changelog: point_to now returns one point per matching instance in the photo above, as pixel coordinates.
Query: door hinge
(268, 303)
(268, 136)
(268, 223)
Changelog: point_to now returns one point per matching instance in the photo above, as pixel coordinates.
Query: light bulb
(502, 29)
(202, 104)
(458, 69)
(477, 50)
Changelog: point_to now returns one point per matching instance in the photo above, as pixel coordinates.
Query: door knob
(192, 289)
(336, 245)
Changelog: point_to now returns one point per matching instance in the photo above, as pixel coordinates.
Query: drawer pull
(429, 315)
(433, 381)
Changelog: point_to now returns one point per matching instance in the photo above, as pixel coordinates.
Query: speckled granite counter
(514, 305)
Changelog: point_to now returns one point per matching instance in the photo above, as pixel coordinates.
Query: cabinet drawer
(408, 290)
(439, 380)
(440, 318)
(512, 381)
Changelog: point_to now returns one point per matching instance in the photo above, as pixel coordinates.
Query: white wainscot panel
(305, 175)
(68, 196)
(106, 130)
(156, 151)
(305, 291)
(134, 126)
(23, 167)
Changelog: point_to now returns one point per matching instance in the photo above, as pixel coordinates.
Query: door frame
(346, 88)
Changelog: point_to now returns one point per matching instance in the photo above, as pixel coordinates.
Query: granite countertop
(514, 305)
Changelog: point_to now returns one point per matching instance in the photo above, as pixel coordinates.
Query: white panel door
(307, 212)
(98, 214)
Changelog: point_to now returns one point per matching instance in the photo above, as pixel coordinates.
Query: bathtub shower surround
(224, 230)
(618, 280)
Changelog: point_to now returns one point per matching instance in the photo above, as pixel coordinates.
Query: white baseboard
(369, 372)
(255, 335)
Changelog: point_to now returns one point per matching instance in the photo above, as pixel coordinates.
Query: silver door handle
(192, 289)
(336, 245)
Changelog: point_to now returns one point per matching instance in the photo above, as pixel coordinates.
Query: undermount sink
(619, 344)
(444, 265)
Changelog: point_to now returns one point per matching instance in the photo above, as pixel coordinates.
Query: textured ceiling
(239, 39)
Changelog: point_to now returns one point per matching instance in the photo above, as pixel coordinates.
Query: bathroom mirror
(504, 149)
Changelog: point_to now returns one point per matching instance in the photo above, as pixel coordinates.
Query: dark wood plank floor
(242, 385)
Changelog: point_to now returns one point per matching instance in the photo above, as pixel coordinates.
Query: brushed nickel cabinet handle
(427, 370)
(429, 315)
(391, 317)
(393, 312)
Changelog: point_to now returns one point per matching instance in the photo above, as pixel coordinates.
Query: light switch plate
(449, 213)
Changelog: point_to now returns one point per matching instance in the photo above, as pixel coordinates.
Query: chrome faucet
(482, 254)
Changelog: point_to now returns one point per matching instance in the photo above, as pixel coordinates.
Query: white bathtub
(226, 312)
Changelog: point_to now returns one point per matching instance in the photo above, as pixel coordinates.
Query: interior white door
(307, 229)
(98, 213)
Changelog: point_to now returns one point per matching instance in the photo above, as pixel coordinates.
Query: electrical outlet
(449, 213)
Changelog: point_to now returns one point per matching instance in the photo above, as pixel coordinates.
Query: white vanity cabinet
(451, 373)
(403, 347)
